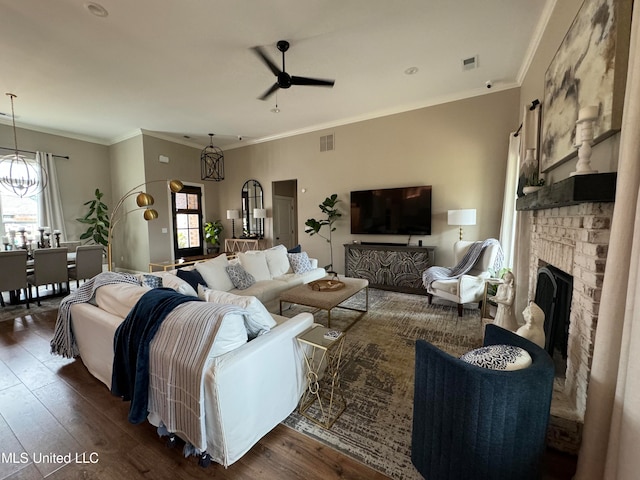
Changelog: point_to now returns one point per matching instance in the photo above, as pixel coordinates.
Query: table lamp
(461, 217)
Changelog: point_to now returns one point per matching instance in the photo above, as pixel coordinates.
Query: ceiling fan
(283, 79)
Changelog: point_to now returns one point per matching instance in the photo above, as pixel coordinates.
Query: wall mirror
(252, 198)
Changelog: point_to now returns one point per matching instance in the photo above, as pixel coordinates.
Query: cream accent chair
(88, 263)
(13, 266)
(467, 288)
(49, 267)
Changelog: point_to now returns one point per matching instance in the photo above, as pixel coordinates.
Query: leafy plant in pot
(212, 231)
(313, 226)
(98, 220)
(533, 183)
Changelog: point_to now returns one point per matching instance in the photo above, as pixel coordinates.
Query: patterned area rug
(378, 370)
(11, 312)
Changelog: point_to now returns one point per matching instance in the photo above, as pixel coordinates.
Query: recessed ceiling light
(275, 110)
(411, 71)
(96, 9)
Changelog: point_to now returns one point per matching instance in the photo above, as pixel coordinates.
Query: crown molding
(59, 133)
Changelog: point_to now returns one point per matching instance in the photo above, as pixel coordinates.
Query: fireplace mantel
(592, 188)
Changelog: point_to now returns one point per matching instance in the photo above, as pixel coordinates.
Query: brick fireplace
(569, 229)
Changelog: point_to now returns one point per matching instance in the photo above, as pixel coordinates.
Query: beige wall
(459, 148)
(86, 169)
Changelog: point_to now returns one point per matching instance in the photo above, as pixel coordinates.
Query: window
(17, 213)
(187, 222)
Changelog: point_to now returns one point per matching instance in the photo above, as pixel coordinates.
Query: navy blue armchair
(471, 422)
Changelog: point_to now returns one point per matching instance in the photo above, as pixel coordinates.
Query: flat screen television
(392, 211)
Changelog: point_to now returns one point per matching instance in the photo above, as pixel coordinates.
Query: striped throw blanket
(179, 356)
(63, 342)
(470, 258)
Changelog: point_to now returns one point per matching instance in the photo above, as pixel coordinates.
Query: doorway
(285, 213)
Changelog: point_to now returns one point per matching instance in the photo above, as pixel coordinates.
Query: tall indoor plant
(212, 231)
(97, 220)
(331, 215)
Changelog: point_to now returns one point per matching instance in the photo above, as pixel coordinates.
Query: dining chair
(49, 267)
(13, 265)
(88, 263)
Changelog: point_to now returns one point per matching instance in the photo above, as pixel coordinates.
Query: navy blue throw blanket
(131, 344)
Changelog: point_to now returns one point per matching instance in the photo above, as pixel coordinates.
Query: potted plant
(533, 184)
(212, 231)
(313, 226)
(98, 220)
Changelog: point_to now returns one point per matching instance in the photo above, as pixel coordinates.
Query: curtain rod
(532, 107)
(29, 151)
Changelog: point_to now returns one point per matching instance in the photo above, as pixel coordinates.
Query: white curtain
(49, 202)
(611, 436)
(508, 225)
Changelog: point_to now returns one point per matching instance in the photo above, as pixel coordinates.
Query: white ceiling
(186, 67)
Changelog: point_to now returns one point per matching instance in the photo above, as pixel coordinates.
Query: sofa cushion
(299, 262)
(240, 278)
(498, 357)
(119, 298)
(171, 280)
(214, 272)
(256, 264)
(277, 260)
(259, 321)
(192, 277)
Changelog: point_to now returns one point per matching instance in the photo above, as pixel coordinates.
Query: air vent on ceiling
(326, 143)
(470, 63)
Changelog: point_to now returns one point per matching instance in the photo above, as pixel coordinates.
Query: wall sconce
(461, 217)
(233, 215)
(260, 213)
(144, 201)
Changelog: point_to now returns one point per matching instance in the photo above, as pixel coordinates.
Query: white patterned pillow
(152, 281)
(240, 278)
(300, 262)
(498, 357)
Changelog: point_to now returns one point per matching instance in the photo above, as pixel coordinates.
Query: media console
(389, 267)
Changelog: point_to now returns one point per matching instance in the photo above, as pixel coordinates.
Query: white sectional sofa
(273, 271)
(249, 386)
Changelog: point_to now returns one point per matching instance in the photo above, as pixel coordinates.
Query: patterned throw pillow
(498, 357)
(240, 278)
(192, 277)
(300, 262)
(151, 281)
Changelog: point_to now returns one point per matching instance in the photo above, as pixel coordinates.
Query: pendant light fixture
(22, 177)
(212, 162)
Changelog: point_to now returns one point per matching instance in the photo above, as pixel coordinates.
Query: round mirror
(251, 199)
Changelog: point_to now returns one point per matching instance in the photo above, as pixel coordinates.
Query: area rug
(11, 312)
(378, 370)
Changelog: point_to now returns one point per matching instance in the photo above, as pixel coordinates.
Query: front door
(283, 221)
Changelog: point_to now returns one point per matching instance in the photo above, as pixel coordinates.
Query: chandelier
(18, 175)
(212, 162)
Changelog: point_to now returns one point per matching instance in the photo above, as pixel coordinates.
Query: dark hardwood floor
(52, 406)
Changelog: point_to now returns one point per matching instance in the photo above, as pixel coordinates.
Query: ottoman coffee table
(328, 299)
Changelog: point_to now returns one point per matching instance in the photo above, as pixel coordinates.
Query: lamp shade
(233, 214)
(461, 217)
(259, 213)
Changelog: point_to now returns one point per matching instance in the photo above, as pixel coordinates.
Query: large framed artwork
(589, 68)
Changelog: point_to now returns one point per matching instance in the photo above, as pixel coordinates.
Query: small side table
(323, 401)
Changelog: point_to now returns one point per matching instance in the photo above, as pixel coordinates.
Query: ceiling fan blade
(269, 92)
(312, 81)
(268, 62)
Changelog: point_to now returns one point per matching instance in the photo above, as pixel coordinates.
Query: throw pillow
(240, 278)
(171, 280)
(259, 320)
(277, 261)
(151, 281)
(256, 264)
(192, 277)
(498, 357)
(300, 262)
(296, 249)
(214, 272)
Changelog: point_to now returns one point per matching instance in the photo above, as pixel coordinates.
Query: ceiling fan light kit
(283, 79)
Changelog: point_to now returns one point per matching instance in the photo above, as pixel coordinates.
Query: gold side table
(323, 401)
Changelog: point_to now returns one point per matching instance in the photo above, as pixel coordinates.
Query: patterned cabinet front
(389, 267)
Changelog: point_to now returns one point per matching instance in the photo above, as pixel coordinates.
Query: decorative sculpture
(533, 328)
(504, 297)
